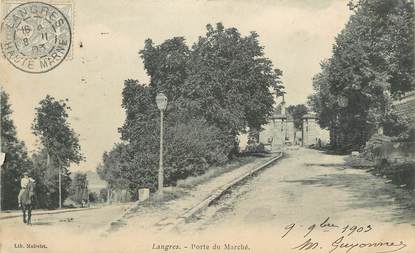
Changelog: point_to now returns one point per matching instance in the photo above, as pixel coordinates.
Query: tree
(216, 89)
(166, 65)
(297, 112)
(110, 170)
(16, 160)
(47, 188)
(79, 188)
(190, 145)
(224, 78)
(59, 141)
(394, 54)
(230, 81)
(325, 104)
(372, 63)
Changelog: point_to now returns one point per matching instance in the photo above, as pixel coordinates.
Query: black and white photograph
(207, 126)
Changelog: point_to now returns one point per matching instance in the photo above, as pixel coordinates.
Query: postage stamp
(36, 36)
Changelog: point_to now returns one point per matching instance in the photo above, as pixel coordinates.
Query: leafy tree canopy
(60, 147)
(372, 63)
(111, 169)
(16, 160)
(230, 80)
(52, 127)
(216, 89)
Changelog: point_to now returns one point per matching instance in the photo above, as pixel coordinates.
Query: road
(76, 222)
(57, 229)
(310, 187)
(308, 201)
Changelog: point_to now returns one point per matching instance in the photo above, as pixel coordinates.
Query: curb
(121, 218)
(185, 217)
(47, 212)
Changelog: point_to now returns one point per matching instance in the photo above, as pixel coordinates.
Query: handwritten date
(327, 226)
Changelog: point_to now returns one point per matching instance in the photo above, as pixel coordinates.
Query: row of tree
(372, 64)
(218, 88)
(59, 147)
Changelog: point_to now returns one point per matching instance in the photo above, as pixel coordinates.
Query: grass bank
(215, 171)
(185, 186)
(400, 174)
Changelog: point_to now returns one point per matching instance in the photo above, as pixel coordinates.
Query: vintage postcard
(238, 126)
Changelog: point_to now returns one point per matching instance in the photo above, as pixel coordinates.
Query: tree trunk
(108, 195)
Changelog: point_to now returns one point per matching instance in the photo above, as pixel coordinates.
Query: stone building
(312, 133)
(280, 130)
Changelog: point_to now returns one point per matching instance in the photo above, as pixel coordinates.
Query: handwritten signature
(342, 242)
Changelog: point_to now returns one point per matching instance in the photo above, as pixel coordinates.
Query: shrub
(394, 125)
(191, 149)
(255, 148)
(407, 136)
(103, 195)
(93, 197)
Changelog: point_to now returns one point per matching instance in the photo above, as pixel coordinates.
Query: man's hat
(25, 173)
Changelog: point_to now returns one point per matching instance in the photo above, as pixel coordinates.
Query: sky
(296, 34)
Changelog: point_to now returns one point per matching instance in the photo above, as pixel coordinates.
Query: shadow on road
(369, 191)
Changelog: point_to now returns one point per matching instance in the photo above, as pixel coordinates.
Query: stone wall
(312, 133)
(381, 147)
(405, 107)
(310, 136)
(279, 131)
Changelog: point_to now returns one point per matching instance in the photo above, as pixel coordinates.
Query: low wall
(381, 147)
(405, 107)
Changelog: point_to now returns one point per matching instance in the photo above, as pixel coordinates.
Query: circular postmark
(36, 37)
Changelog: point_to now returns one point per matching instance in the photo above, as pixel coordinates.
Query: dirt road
(307, 202)
(312, 195)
